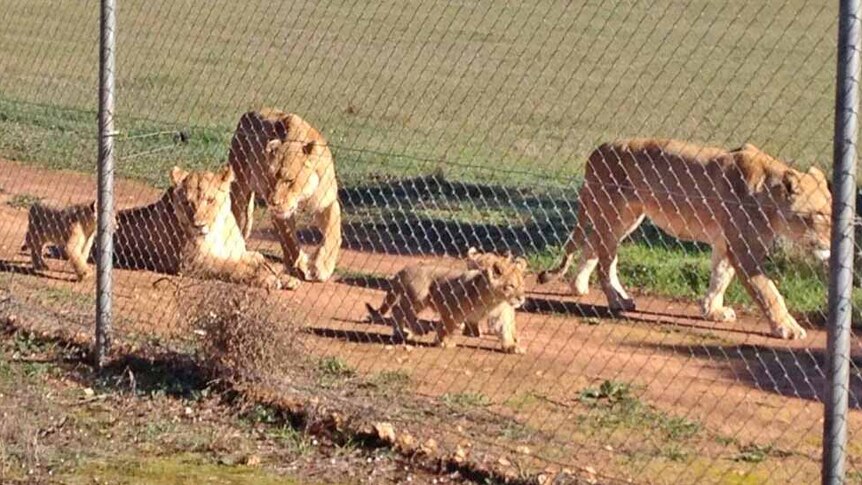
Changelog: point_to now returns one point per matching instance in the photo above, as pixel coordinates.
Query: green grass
(22, 201)
(465, 400)
(335, 368)
(613, 405)
(177, 469)
(488, 92)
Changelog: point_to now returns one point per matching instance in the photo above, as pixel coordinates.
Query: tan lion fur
(738, 201)
(71, 228)
(458, 296)
(281, 158)
(191, 230)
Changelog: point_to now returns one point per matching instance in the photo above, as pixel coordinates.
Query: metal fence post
(841, 262)
(105, 253)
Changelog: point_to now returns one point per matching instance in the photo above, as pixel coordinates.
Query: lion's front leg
(765, 293)
(328, 222)
(257, 271)
(722, 273)
(295, 259)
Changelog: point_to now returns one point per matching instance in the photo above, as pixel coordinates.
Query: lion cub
(459, 297)
(501, 319)
(72, 228)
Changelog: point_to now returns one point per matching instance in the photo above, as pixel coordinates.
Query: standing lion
(738, 201)
(283, 159)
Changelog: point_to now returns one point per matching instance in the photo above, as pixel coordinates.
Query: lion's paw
(622, 305)
(789, 331)
(580, 287)
(721, 314)
(514, 349)
(289, 282)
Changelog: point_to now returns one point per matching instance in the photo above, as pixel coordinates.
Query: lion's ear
(310, 147)
(178, 175)
(226, 175)
(790, 181)
(272, 145)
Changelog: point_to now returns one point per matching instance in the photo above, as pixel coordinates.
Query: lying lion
(283, 159)
(191, 230)
(739, 201)
(459, 297)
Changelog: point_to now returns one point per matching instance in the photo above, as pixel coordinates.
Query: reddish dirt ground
(742, 386)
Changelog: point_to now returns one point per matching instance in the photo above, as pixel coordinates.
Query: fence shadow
(798, 373)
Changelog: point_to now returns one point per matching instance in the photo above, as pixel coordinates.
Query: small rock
(523, 450)
(608, 448)
(252, 460)
(429, 446)
(588, 469)
(188, 411)
(89, 392)
(406, 441)
(543, 479)
(460, 456)
(385, 432)
(504, 462)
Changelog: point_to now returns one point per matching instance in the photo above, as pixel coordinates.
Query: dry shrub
(244, 334)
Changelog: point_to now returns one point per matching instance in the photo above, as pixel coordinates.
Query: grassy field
(483, 89)
(509, 95)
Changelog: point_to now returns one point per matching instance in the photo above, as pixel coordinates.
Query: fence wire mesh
(413, 131)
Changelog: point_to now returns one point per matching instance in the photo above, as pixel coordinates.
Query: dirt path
(742, 386)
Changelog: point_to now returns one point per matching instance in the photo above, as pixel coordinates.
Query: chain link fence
(412, 131)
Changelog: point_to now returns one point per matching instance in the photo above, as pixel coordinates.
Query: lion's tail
(378, 315)
(374, 315)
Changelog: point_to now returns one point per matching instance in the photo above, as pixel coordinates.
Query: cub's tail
(374, 315)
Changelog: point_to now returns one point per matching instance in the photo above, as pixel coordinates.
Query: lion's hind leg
(613, 220)
(35, 244)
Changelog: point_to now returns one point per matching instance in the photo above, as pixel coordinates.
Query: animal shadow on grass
(798, 373)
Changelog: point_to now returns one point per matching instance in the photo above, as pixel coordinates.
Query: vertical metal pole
(841, 262)
(105, 253)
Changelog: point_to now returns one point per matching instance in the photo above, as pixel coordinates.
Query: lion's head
(293, 163)
(199, 197)
(805, 206)
(505, 273)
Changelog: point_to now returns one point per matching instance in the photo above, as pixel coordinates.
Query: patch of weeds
(516, 432)
(612, 391)
(854, 476)
(23, 201)
(391, 379)
(243, 340)
(522, 400)
(261, 415)
(614, 405)
(754, 453)
(674, 452)
(335, 368)
(66, 298)
(464, 400)
(294, 440)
